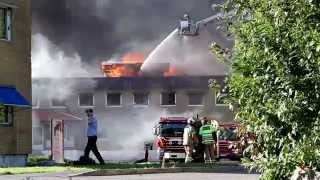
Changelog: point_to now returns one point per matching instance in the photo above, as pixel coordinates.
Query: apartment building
(15, 82)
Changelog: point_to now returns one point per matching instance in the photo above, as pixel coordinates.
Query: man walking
(92, 137)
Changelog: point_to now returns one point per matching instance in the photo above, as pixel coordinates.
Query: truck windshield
(229, 134)
(171, 130)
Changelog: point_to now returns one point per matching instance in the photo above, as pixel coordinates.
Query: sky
(97, 30)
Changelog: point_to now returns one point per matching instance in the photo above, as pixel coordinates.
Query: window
(6, 115)
(141, 98)
(113, 99)
(58, 103)
(37, 136)
(86, 99)
(67, 132)
(195, 98)
(168, 98)
(5, 23)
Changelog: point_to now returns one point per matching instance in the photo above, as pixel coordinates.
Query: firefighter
(189, 134)
(208, 133)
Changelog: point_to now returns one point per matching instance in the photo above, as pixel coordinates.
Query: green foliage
(275, 80)
(35, 160)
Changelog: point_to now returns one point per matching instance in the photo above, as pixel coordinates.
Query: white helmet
(190, 120)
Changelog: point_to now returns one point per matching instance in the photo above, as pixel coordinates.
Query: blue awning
(11, 97)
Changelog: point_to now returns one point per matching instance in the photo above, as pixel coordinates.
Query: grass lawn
(84, 168)
(51, 169)
(73, 169)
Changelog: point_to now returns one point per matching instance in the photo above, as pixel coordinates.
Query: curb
(214, 169)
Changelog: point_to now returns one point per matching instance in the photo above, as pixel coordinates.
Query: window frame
(93, 100)
(168, 105)
(141, 105)
(8, 122)
(114, 92)
(42, 136)
(8, 22)
(60, 107)
(196, 92)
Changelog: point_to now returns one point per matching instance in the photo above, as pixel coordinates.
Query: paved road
(174, 176)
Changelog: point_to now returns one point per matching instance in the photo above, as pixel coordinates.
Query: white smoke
(49, 61)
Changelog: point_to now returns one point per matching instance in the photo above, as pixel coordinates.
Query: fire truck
(169, 139)
(228, 146)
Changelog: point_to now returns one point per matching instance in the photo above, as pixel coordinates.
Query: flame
(128, 67)
(133, 58)
(172, 71)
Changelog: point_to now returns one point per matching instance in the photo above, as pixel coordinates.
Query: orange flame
(128, 67)
(133, 58)
(172, 71)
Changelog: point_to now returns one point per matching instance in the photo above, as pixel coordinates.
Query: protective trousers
(188, 149)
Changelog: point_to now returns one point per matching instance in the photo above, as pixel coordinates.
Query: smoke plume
(50, 61)
(96, 30)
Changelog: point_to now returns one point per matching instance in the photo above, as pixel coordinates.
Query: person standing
(188, 140)
(92, 137)
(208, 136)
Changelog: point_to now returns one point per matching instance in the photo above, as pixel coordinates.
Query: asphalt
(166, 176)
(218, 171)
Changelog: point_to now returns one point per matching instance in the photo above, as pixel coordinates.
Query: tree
(275, 80)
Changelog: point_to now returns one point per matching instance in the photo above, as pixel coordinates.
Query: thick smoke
(50, 61)
(99, 29)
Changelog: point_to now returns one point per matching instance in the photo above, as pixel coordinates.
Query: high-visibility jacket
(207, 131)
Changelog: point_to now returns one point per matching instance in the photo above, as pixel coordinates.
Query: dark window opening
(195, 98)
(141, 98)
(114, 99)
(168, 98)
(6, 115)
(58, 103)
(86, 99)
(5, 23)
(37, 136)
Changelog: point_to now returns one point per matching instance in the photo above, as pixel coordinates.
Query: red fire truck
(169, 132)
(228, 146)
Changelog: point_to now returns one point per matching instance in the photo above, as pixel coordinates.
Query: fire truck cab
(169, 138)
(228, 141)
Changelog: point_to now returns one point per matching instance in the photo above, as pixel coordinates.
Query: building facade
(15, 82)
(127, 108)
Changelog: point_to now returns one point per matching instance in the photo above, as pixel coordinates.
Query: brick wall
(15, 70)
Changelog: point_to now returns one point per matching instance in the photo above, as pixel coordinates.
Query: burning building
(126, 108)
(130, 97)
